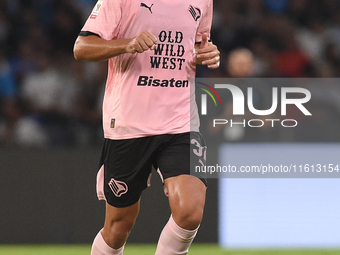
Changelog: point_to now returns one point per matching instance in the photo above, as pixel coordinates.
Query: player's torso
(154, 86)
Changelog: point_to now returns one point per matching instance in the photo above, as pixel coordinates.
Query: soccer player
(149, 113)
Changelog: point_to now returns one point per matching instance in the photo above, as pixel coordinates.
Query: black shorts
(126, 164)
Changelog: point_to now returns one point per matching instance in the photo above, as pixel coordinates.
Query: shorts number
(200, 150)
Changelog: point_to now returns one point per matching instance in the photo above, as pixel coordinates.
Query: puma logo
(144, 5)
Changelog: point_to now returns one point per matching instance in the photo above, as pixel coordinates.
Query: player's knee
(124, 225)
(188, 217)
(117, 232)
(119, 229)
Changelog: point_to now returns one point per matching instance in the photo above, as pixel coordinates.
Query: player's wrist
(120, 46)
(129, 47)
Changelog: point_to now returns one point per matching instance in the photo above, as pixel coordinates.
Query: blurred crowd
(49, 99)
(289, 38)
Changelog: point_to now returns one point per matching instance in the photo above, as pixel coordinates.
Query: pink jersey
(153, 92)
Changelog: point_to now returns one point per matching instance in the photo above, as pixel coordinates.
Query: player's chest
(165, 15)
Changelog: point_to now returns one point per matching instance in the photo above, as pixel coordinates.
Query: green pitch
(196, 249)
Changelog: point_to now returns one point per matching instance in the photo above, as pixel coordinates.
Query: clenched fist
(142, 42)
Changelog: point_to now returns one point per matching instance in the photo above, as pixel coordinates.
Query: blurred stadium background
(51, 134)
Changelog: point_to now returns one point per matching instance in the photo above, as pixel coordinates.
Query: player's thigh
(186, 198)
(176, 163)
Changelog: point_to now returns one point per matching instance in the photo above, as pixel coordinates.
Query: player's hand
(142, 42)
(208, 54)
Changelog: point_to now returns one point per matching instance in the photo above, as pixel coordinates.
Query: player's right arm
(95, 48)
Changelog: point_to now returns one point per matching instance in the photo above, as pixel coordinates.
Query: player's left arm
(207, 53)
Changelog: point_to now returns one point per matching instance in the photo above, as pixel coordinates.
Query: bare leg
(118, 224)
(117, 227)
(187, 199)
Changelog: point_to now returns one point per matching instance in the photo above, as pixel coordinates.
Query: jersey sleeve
(205, 22)
(105, 19)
